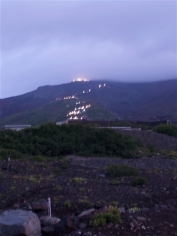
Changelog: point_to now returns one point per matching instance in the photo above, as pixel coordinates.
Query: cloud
(53, 42)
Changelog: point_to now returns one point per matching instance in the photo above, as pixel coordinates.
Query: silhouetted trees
(52, 140)
(167, 129)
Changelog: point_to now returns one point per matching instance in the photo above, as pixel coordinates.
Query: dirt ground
(76, 184)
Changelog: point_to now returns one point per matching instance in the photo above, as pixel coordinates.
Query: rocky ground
(76, 184)
(160, 141)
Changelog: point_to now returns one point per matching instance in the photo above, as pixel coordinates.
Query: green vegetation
(78, 180)
(167, 129)
(57, 141)
(67, 203)
(56, 111)
(121, 170)
(152, 148)
(84, 200)
(139, 181)
(5, 153)
(112, 216)
(57, 171)
(169, 154)
(115, 182)
(133, 209)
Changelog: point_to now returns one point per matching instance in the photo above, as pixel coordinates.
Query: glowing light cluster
(80, 80)
(70, 97)
(74, 118)
(100, 85)
(73, 113)
(78, 110)
(84, 91)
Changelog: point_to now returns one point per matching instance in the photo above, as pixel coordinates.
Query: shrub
(121, 170)
(152, 148)
(64, 166)
(57, 171)
(67, 203)
(169, 154)
(115, 182)
(139, 181)
(13, 154)
(167, 129)
(78, 180)
(133, 209)
(112, 216)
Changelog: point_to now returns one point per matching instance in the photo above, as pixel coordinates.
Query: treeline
(167, 129)
(52, 140)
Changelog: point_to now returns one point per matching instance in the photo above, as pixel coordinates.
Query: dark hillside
(151, 101)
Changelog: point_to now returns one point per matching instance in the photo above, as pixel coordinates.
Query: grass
(169, 154)
(86, 201)
(57, 171)
(78, 180)
(67, 203)
(139, 181)
(115, 182)
(121, 170)
(112, 216)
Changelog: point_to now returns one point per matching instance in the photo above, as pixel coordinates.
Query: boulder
(19, 222)
(87, 212)
(60, 227)
(47, 220)
(48, 229)
(40, 205)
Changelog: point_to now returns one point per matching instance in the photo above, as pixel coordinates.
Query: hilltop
(104, 99)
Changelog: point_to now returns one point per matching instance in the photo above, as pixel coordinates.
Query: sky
(54, 42)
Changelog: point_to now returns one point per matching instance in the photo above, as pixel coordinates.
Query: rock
(82, 225)
(18, 222)
(87, 234)
(71, 221)
(76, 220)
(86, 218)
(47, 220)
(104, 209)
(40, 205)
(140, 218)
(122, 210)
(60, 228)
(5, 166)
(87, 212)
(144, 209)
(16, 206)
(78, 232)
(97, 205)
(48, 229)
(102, 175)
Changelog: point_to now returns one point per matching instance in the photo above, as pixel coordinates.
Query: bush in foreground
(112, 216)
(54, 141)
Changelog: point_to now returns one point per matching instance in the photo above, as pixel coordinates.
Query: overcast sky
(54, 42)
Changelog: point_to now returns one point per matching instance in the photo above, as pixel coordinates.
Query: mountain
(104, 100)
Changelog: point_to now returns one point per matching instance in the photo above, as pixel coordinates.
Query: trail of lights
(69, 97)
(77, 110)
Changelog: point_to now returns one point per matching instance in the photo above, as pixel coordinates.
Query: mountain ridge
(128, 101)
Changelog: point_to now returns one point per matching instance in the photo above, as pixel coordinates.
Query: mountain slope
(129, 101)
